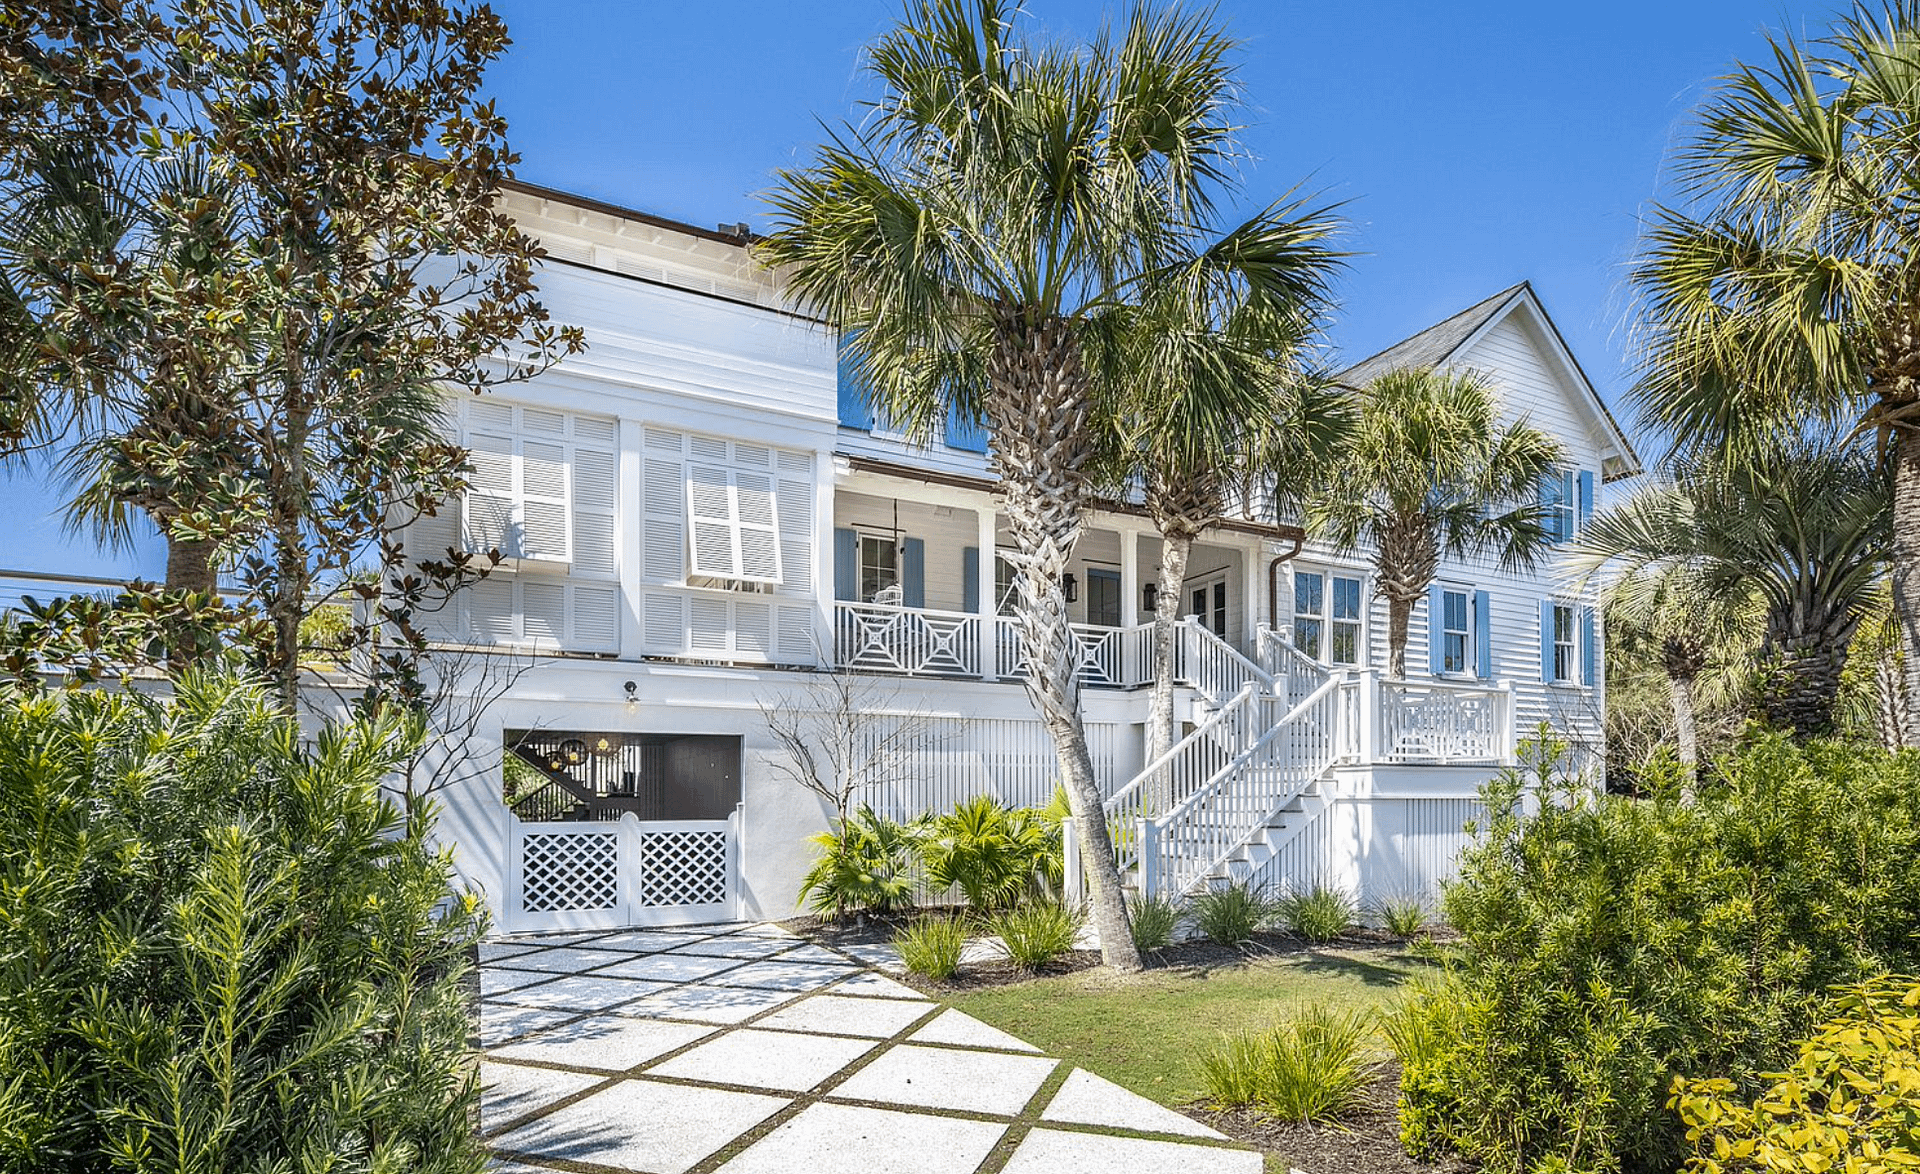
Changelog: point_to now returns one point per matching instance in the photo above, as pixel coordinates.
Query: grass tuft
(1036, 933)
(931, 945)
(1308, 1068)
(1154, 920)
(1319, 915)
(1233, 913)
(1404, 915)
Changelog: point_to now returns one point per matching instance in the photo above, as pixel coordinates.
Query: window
(1103, 598)
(1565, 642)
(1208, 601)
(1326, 616)
(1456, 632)
(879, 565)
(1557, 505)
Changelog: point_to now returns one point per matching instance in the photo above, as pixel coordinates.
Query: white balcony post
(989, 630)
(1149, 858)
(1508, 733)
(1129, 577)
(1369, 707)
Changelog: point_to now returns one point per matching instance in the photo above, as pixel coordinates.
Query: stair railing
(1182, 846)
(1281, 659)
(1212, 666)
(1184, 767)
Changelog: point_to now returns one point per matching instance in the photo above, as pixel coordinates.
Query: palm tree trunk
(1686, 735)
(1906, 572)
(1801, 678)
(1175, 547)
(1037, 407)
(190, 566)
(1399, 610)
(1890, 710)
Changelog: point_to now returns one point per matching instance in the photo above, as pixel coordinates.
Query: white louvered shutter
(546, 502)
(488, 514)
(757, 529)
(795, 506)
(663, 492)
(711, 519)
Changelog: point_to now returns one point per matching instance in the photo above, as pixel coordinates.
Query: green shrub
(1850, 1101)
(1154, 920)
(995, 856)
(1608, 945)
(1319, 915)
(865, 865)
(1036, 933)
(931, 945)
(1404, 915)
(221, 948)
(1232, 913)
(1308, 1068)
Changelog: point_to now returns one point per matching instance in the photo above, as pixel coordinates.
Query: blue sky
(1475, 144)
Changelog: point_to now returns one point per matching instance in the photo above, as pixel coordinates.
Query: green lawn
(1147, 1032)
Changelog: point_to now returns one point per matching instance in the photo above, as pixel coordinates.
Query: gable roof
(1448, 339)
(1432, 346)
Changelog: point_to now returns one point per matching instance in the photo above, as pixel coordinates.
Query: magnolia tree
(251, 296)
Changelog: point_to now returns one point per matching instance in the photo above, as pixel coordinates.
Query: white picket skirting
(614, 874)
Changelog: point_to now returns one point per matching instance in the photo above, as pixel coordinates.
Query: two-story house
(702, 516)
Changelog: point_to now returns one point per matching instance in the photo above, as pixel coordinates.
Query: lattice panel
(683, 868)
(563, 872)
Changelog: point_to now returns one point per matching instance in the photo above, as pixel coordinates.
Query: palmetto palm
(1218, 429)
(1805, 534)
(1429, 469)
(1001, 228)
(1784, 298)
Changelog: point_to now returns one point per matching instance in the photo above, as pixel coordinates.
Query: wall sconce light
(633, 696)
(1150, 597)
(1071, 586)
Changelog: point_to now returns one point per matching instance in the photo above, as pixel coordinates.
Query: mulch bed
(1199, 955)
(1367, 1142)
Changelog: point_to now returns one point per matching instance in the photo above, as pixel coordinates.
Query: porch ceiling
(1276, 532)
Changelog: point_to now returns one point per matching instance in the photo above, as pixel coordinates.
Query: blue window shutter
(846, 564)
(1546, 640)
(855, 411)
(1589, 649)
(913, 572)
(1586, 498)
(970, 577)
(964, 432)
(1482, 635)
(1436, 628)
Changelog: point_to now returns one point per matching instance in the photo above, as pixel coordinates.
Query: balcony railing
(922, 642)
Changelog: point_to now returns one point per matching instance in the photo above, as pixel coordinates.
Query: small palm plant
(867, 863)
(1429, 470)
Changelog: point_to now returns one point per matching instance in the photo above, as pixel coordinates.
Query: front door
(1207, 599)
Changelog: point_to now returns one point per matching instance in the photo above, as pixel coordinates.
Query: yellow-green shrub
(1849, 1104)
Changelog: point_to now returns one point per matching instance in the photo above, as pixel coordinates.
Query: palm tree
(1206, 435)
(1804, 532)
(1787, 291)
(1430, 470)
(1010, 217)
(1691, 627)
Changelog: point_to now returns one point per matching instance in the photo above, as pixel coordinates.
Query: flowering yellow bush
(1850, 1104)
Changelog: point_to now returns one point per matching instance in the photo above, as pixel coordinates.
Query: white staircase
(1226, 798)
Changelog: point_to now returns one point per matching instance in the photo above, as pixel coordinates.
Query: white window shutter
(546, 504)
(710, 516)
(488, 513)
(595, 487)
(663, 492)
(758, 529)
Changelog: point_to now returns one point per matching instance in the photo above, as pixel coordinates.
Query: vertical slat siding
(959, 758)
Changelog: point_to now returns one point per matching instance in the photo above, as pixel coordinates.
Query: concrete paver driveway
(745, 1050)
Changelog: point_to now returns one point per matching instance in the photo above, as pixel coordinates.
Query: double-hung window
(1565, 643)
(1558, 505)
(1327, 616)
(1456, 631)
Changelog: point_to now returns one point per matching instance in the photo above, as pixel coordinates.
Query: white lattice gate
(592, 875)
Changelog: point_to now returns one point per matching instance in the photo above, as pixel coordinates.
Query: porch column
(989, 599)
(1129, 578)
